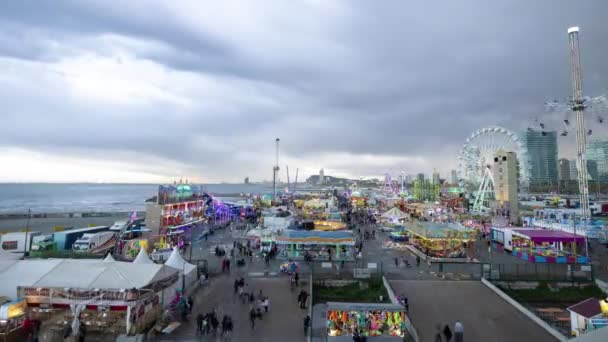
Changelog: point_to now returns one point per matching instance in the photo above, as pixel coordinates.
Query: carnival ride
(389, 187)
(476, 159)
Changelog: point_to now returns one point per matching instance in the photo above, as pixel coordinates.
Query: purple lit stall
(541, 245)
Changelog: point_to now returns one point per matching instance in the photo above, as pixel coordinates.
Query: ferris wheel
(479, 149)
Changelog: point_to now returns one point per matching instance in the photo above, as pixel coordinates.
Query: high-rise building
(426, 190)
(409, 179)
(542, 156)
(597, 150)
(321, 176)
(453, 177)
(573, 170)
(592, 169)
(564, 169)
(246, 180)
(420, 177)
(435, 177)
(506, 180)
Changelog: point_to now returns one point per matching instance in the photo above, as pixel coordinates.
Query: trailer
(65, 239)
(89, 241)
(17, 242)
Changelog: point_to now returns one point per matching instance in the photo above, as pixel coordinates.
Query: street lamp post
(27, 230)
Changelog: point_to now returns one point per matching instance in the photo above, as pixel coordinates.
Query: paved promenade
(485, 316)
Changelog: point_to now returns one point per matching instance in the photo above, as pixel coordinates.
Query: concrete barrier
(602, 285)
(391, 295)
(310, 286)
(525, 311)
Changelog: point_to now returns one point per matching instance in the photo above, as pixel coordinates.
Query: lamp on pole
(27, 230)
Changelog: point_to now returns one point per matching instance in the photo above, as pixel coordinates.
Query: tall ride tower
(578, 106)
(275, 172)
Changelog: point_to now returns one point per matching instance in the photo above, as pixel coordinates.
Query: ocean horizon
(18, 198)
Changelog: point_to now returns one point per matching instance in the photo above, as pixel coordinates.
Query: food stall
(12, 314)
(369, 319)
(441, 240)
(108, 297)
(540, 245)
(329, 225)
(318, 245)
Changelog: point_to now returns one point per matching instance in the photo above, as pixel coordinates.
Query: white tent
(142, 258)
(394, 213)
(78, 273)
(176, 261)
(109, 258)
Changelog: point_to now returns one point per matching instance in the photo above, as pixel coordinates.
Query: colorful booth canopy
(316, 237)
(545, 235)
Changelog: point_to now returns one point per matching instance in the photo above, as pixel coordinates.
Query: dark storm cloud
(392, 78)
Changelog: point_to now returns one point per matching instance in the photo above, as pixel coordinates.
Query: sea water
(57, 198)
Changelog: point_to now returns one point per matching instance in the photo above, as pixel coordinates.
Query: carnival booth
(388, 321)
(441, 240)
(108, 297)
(329, 225)
(540, 245)
(588, 315)
(318, 245)
(394, 215)
(12, 315)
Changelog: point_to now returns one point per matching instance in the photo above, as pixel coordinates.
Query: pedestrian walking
(306, 324)
(396, 262)
(438, 337)
(252, 316)
(199, 323)
(236, 286)
(297, 279)
(458, 332)
(417, 260)
(229, 327)
(224, 325)
(214, 323)
(190, 304)
(447, 333)
(300, 296)
(265, 304)
(304, 299)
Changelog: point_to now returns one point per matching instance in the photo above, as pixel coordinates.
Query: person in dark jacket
(306, 324)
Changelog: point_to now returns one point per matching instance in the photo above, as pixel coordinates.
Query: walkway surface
(485, 316)
(283, 322)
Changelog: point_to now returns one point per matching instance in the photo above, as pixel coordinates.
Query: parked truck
(64, 240)
(89, 241)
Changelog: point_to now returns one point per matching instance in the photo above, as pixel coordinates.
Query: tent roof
(176, 261)
(547, 235)
(588, 308)
(78, 273)
(109, 258)
(317, 237)
(22, 273)
(394, 213)
(142, 258)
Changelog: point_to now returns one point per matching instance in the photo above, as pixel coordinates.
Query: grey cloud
(386, 78)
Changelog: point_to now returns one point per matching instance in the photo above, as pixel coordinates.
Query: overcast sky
(150, 91)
